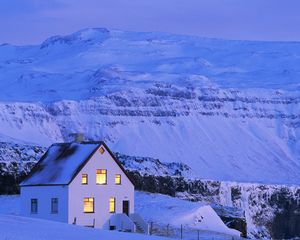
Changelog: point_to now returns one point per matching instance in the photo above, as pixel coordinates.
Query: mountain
(228, 109)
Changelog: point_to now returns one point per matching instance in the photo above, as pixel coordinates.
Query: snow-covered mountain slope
(228, 109)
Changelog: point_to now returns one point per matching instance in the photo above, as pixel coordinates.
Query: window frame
(33, 202)
(105, 183)
(54, 201)
(112, 200)
(84, 200)
(120, 177)
(86, 176)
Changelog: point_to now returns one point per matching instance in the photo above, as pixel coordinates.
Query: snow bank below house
(21, 228)
(158, 208)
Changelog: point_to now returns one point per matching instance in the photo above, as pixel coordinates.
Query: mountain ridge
(228, 109)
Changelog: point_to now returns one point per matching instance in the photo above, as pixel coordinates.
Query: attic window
(101, 176)
(88, 205)
(101, 150)
(84, 179)
(112, 205)
(118, 179)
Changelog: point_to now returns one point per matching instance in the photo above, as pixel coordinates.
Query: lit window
(101, 150)
(118, 179)
(88, 205)
(34, 206)
(101, 176)
(84, 179)
(54, 205)
(112, 205)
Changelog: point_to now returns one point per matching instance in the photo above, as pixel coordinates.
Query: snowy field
(166, 213)
(21, 228)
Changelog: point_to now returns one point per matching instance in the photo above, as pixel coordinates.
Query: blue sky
(32, 21)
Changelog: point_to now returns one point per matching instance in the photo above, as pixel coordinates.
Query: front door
(126, 207)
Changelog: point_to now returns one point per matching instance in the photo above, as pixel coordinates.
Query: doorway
(126, 207)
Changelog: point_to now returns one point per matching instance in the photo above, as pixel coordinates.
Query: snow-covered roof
(61, 163)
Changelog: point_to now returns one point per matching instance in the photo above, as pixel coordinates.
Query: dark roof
(63, 161)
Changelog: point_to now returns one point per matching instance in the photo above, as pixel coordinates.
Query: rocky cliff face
(221, 134)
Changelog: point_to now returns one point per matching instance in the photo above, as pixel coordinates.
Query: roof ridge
(83, 142)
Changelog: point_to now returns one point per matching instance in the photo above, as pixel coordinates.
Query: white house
(81, 183)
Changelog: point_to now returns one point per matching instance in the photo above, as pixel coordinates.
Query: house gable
(100, 193)
(106, 148)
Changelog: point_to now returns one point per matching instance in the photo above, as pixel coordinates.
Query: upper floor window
(118, 179)
(101, 176)
(112, 205)
(84, 179)
(34, 206)
(54, 205)
(88, 205)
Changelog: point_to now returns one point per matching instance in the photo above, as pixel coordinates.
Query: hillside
(228, 109)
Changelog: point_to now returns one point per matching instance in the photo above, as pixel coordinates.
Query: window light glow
(101, 150)
(112, 205)
(101, 176)
(84, 179)
(118, 179)
(88, 206)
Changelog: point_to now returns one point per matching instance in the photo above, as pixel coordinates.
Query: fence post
(181, 231)
(198, 235)
(167, 229)
(94, 223)
(151, 227)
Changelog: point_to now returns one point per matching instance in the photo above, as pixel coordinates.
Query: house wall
(100, 193)
(44, 194)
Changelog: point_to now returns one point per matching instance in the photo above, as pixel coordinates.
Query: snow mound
(205, 218)
(178, 212)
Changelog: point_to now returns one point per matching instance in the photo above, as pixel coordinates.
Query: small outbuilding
(81, 183)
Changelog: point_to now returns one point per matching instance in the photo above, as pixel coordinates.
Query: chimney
(77, 137)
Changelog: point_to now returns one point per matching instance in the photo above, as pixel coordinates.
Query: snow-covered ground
(20, 228)
(159, 209)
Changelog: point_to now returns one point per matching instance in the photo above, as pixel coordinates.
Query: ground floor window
(54, 205)
(112, 205)
(34, 206)
(88, 205)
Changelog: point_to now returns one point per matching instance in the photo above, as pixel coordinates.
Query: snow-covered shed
(81, 183)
